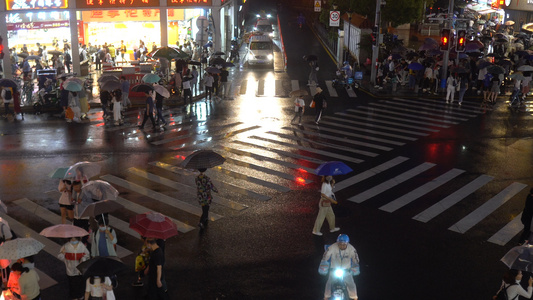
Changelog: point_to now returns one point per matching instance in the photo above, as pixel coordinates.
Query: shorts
(68, 207)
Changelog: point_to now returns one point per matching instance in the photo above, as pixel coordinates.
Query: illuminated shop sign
(41, 16)
(189, 2)
(125, 15)
(116, 3)
(35, 4)
(37, 25)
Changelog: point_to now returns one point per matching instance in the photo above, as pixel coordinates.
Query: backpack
(8, 95)
(502, 294)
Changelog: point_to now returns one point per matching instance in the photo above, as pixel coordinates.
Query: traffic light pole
(446, 57)
(375, 48)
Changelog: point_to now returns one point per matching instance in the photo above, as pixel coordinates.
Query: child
(299, 107)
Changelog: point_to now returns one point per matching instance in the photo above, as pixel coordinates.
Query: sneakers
(137, 283)
(335, 229)
(317, 233)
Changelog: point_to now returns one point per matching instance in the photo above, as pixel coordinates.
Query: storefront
(520, 11)
(488, 10)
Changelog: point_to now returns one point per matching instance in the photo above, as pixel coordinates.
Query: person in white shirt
(97, 287)
(450, 88)
(72, 254)
(299, 108)
(324, 206)
(511, 285)
(342, 255)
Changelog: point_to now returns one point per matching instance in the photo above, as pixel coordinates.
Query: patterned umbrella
(200, 159)
(19, 248)
(63, 231)
(153, 225)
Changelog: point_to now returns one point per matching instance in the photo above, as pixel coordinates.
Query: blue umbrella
(332, 168)
(415, 66)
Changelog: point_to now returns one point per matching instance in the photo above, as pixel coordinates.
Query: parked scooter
(47, 98)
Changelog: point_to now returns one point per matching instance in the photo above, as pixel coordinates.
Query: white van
(260, 50)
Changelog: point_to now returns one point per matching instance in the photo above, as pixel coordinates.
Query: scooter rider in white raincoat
(342, 255)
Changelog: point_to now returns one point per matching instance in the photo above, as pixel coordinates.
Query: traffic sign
(334, 18)
(318, 5)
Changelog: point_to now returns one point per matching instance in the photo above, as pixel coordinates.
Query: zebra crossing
(264, 162)
(270, 87)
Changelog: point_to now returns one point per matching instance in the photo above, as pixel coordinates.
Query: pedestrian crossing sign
(318, 6)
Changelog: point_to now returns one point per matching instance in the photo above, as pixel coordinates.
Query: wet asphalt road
(262, 246)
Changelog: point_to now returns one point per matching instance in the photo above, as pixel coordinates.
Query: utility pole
(446, 57)
(375, 48)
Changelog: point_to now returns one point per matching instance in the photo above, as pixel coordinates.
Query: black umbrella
(111, 85)
(218, 61)
(33, 57)
(143, 88)
(55, 52)
(102, 266)
(220, 53)
(213, 70)
(23, 55)
(169, 53)
(202, 159)
(8, 83)
(495, 70)
(505, 62)
(194, 63)
(502, 41)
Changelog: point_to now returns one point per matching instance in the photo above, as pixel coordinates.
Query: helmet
(343, 238)
(346, 63)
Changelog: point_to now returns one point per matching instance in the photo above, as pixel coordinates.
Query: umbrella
(19, 248)
(82, 170)
(415, 66)
(431, 41)
(169, 53)
(525, 68)
(228, 64)
(111, 86)
(522, 53)
(474, 53)
(396, 56)
(33, 57)
(472, 47)
(427, 47)
(220, 53)
(433, 52)
(298, 93)
(509, 23)
(101, 208)
(501, 36)
(202, 159)
(151, 78)
(505, 62)
(55, 52)
(102, 266)
(143, 88)
(153, 225)
(520, 258)
(218, 61)
(442, 62)
(58, 173)
(106, 78)
(23, 55)
(64, 231)
(194, 63)
(213, 70)
(311, 57)
(332, 168)
(99, 190)
(502, 40)
(74, 79)
(517, 76)
(161, 90)
(483, 64)
(8, 83)
(73, 86)
(492, 55)
(495, 69)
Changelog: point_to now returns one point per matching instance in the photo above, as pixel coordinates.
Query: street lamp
(349, 13)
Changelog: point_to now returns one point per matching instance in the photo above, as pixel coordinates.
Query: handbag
(312, 105)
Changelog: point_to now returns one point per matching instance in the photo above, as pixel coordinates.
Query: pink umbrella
(64, 231)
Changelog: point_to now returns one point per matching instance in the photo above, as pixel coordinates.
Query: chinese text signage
(37, 25)
(35, 4)
(116, 3)
(189, 2)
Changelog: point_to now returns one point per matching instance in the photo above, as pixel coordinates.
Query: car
(260, 50)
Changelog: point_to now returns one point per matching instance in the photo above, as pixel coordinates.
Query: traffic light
(445, 39)
(375, 35)
(1, 48)
(461, 39)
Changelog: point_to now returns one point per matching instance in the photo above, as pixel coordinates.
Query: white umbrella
(63, 231)
(525, 68)
(161, 90)
(19, 248)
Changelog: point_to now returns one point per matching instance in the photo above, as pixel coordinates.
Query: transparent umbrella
(82, 170)
(99, 190)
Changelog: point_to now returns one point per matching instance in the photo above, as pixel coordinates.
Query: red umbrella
(153, 225)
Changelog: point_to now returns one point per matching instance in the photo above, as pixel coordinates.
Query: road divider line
(375, 119)
(421, 191)
(369, 173)
(281, 152)
(434, 107)
(384, 186)
(331, 90)
(409, 118)
(508, 232)
(354, 128)
(368, 124)
(448, 113)
(390, 107)
(487, 208)
(352, 134)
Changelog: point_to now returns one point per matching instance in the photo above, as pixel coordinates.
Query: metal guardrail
(324, 35)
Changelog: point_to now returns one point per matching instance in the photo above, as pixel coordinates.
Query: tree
(399, 12)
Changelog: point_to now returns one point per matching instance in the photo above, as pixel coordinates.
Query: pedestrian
(13, 283)
(525, 84)
(72, 254)
(324, 206)
(97, 288)
(178, 78)
(216, 85)
(105, 98)
(7, 97)
(74, 104)
(194, 81)
(149, 110)
(44, 57)
(125, 88)
(487, 88)
(224, 84)
(450, 88)
(511, 285)
(299, 108)
(204, 186)
(65, 201)
(463, 87)
(313, 80)
(526, 218)
(104, 240)
(159, 109)
(141, 261)
(208, 83)
(68, 60)
(117, 100)
(26, 69)
(157, 286)
(494, 89)
(79, 206)
(341, 255)
(320, 103)
(28, 282)
(186, 85)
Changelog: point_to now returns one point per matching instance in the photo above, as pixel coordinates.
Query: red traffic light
(445, 39)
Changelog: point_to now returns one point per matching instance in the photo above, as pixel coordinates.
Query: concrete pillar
(163, 20)
(74, 42)
(340, 48)
(217, 37)
(7, 60)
